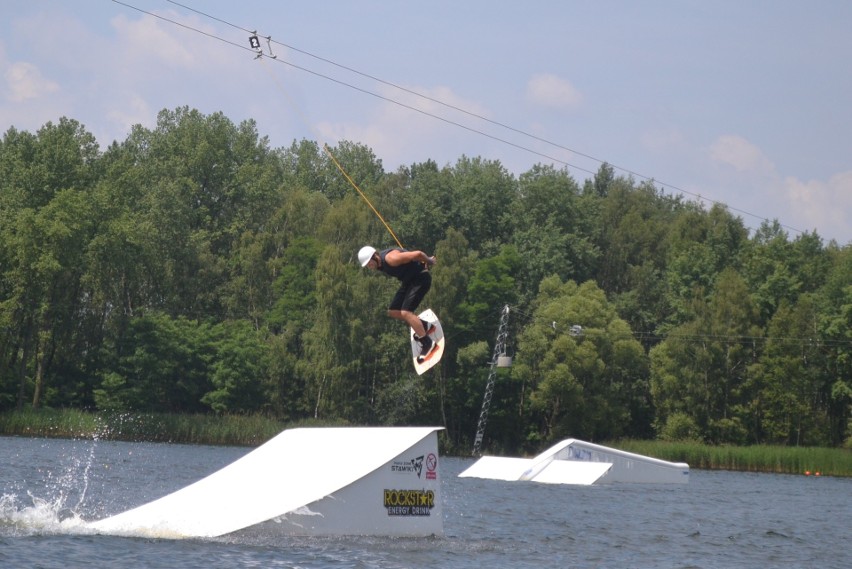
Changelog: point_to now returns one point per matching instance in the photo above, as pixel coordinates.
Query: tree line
(192, 268)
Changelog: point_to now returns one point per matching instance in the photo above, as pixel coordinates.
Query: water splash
(40, 516)
(73, 479)
(51, 494)
(53, 501)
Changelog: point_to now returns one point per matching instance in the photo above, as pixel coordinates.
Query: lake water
(50, 488)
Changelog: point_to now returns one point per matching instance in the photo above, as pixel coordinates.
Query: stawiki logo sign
(415, 465)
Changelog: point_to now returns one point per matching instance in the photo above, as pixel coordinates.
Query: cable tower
(498, 359)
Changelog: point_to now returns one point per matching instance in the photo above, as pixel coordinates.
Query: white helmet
(365, 254)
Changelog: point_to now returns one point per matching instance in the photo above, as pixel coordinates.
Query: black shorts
(410, 294)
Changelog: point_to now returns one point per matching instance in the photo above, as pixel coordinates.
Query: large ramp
(322, 481)
(578, 462)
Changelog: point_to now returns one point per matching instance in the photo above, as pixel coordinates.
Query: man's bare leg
(409, 318)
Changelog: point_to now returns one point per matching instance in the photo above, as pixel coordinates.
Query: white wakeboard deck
(437, 336)
(296, 468)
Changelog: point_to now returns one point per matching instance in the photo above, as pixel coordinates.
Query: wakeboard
(437, 336)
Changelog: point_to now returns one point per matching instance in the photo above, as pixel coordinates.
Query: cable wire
(490, 121)
(734, 338)
(442, 103)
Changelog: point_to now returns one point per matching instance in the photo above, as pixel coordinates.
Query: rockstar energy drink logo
(409, 502)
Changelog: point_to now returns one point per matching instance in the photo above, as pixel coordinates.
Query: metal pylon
(499, 349)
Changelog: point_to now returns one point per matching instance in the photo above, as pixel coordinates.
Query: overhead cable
(437, 101)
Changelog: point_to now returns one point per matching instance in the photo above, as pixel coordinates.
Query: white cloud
(741, 154)
(758, 187)
(129, 112)
(148, 38)
(428, 102)
(551, 91)
(826, 206)
(24, 82)
(408, 132)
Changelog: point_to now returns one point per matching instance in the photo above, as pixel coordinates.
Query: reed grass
(237, 430)
(756, 458)
(253, 430)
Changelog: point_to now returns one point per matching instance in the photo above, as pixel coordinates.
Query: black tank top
(404, 272)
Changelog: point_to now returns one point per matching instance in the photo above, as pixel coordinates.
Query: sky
(747, 103)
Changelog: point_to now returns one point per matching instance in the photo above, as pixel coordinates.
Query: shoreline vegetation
(254, 430)
(192, 268)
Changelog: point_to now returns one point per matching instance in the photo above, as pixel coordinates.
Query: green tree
(766, 269)
(701, 368)
(791, 395)
(294, 287)
(427, 197)
(584, 371)
(835, 301)
(332, 347)
(161, 364)
(33, 168)
(306, 167)
(491, 286)
(238, 368)
(701, 245)
(350, 163)
(483, 192)
(600, 184)
(550, 229)
(47, 223)
(633, 224)
(208, 183)
(447, 387)
(192, 268)
(247, 293)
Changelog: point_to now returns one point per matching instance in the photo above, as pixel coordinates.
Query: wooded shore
(254, 430)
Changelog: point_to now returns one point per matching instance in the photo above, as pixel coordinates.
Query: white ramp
(354, 481)
(554, 472)
(578, 462)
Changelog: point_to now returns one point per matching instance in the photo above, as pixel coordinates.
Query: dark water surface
(49, 489)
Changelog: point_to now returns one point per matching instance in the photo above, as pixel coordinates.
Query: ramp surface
(296, 468)
(578, 462)
(551, 472)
